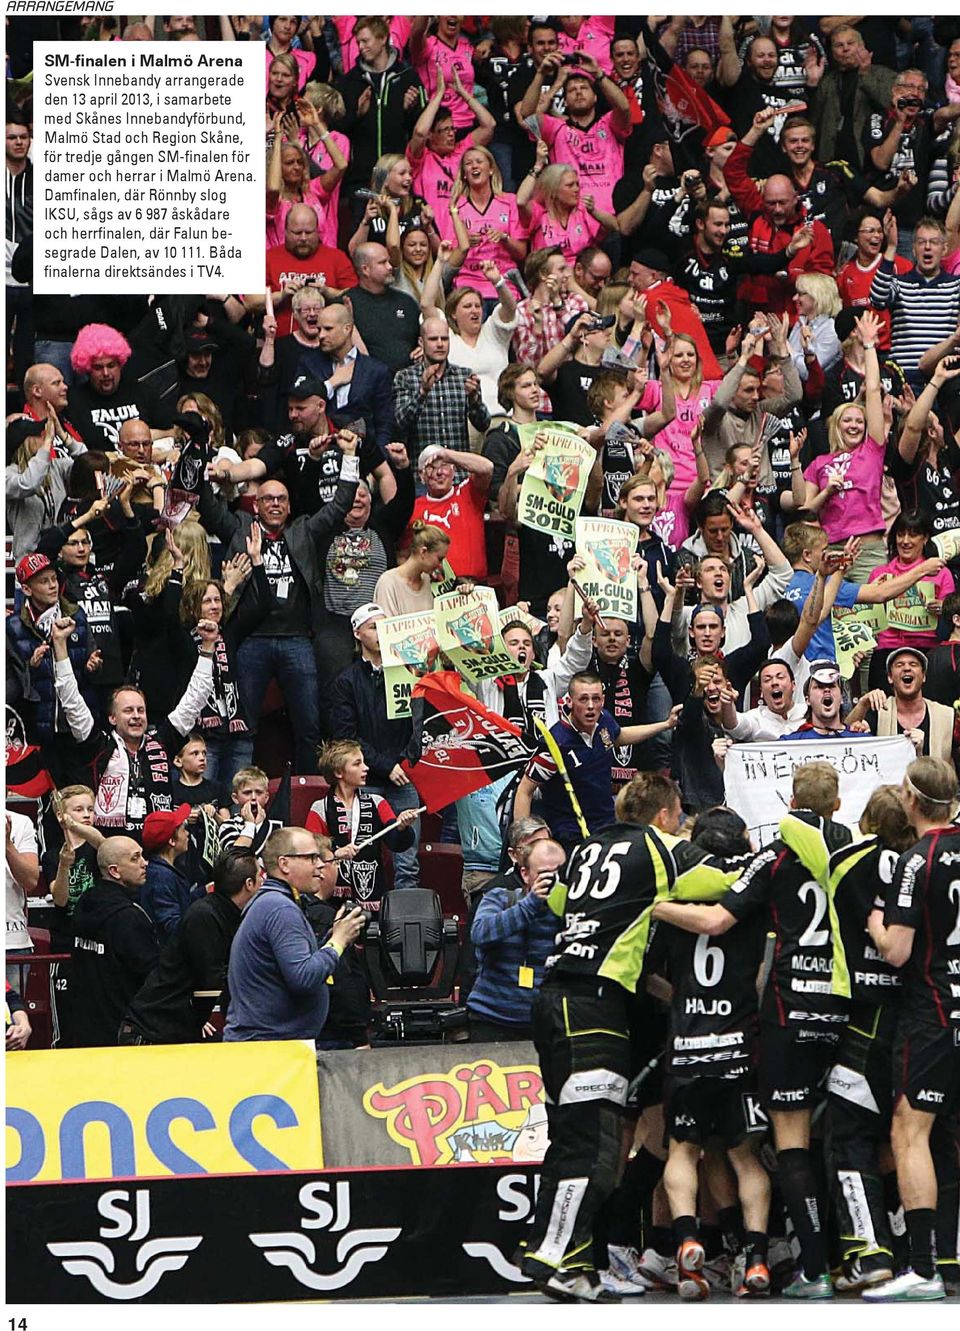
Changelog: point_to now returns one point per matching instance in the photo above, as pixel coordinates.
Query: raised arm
(868, 326)
(421, 130)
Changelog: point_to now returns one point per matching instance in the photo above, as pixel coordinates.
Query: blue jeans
(406, 864)
(290, 661)
(226, 754)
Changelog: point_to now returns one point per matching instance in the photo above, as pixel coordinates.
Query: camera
(909, 103)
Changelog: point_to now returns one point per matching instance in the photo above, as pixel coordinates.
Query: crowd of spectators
(724, 253)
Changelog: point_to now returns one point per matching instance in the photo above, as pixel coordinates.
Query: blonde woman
(551, 206)
(490, 222)
(842, 488)
(813, 337)
(391, 180)
(288, 183)
(329, 149)
(36, 482)
(407, 588)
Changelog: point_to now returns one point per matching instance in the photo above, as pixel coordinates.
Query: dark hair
(537, 24)
(914, 522)
(82, 481)
(777, 661)
(720, 831)
(713, 505)
(783, 619)
(584, 677)
(232, 870)
(507, 383)
(951, 606)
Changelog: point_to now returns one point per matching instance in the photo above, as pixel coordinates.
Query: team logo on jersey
(129, 1218)
(561, 476)
(109, 792)
(354, 1249)
(473, 630)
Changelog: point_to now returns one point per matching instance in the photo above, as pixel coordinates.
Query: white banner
(758, 778)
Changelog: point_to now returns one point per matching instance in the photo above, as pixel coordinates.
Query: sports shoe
(659, 1270)
(907, 1288)
(749, 1282)
(625, 1265)
(576, 1287)
(622, 1286)
(861, 1274)
(692, 1284)
(802, 1288)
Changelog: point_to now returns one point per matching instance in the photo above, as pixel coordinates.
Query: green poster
(855, 630)
(468, 633)
(610, 579)
(909, 612)
(446, 583)
(408, 649)
(948, 543)
(553, 486)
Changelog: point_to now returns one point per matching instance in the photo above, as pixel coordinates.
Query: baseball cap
(364, 612)
(720, 136)
(197, 342)
(306, 386)
(30, 566)
(160, 827)
(907, 651)
(824, 671)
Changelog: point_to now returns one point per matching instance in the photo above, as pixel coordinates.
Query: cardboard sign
(608, 548)
(855, 630)
(408, 649)
(551, 495)
(468, 633)
(910, 613)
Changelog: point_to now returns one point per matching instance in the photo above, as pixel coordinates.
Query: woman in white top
(814, 337)
(407, 589)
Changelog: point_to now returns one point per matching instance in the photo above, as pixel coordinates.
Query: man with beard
(300, 261)
(932, 728)
(111, 394)
(778, 712)
(307, 458)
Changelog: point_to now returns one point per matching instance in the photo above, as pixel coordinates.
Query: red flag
(25, 774)
(683, 319)
(694, 105)
(463, 745)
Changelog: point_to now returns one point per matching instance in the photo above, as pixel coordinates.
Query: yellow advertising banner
(151, 1111)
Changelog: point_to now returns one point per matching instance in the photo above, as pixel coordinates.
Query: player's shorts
(860, 1083)
(926, 1066)
(793, 1063)
(710, 1107)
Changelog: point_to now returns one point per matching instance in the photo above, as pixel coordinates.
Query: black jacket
(180, 992)
(114, 949)
(387, 126)
(359, 711)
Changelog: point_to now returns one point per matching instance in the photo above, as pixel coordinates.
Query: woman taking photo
(392, 182)
(408, 588)
(842, 488)
(555, 213)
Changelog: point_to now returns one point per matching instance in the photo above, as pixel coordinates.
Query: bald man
(358, 387)
(300, 260)
(115, 946)
(434, 399)
(777, 223)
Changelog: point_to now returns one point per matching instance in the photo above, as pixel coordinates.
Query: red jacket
(771, 292)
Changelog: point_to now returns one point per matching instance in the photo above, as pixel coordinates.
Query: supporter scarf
(357, 878)
(521, 711)
(183, 492)
(112, 782)
(222, 712)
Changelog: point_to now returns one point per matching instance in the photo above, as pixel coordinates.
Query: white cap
(369, 611)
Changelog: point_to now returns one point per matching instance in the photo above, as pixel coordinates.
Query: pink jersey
(581, 230)
(673, 523)
(460, 57)
(855, 510)
(594, 39)
(944, 586)
(500, 214)
(951, 263)
(596, 153)
(400, 26)
(319, 155)
(434, 178)
(315, 195)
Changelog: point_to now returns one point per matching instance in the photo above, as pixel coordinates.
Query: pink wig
(95, 340)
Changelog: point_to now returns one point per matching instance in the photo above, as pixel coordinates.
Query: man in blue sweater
(514, 933)
(278, 971)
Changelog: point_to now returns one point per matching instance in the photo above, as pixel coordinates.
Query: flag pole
(391, 827)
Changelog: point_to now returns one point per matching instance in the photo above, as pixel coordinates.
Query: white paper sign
(758, 778)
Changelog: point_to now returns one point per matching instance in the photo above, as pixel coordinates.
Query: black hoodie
(114, 950)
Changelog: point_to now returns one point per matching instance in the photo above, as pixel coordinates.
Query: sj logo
(325, 1206)
(127, 1217)
(517, 1198)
